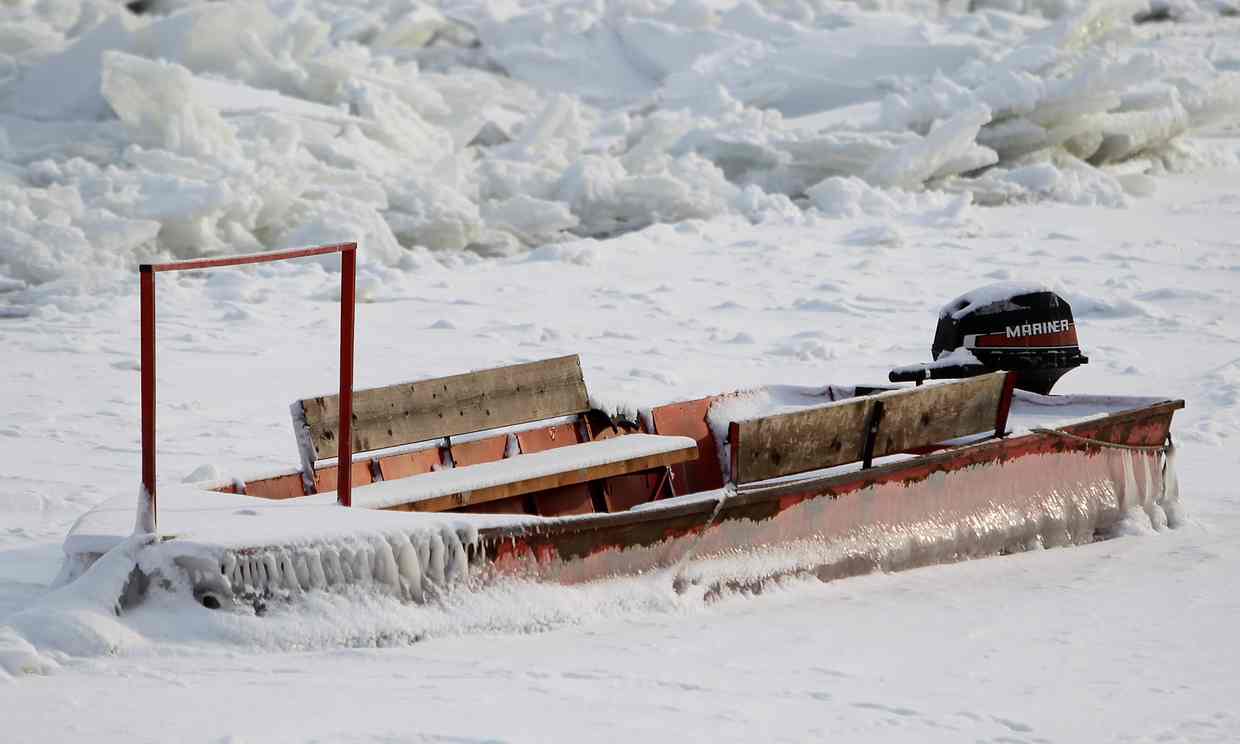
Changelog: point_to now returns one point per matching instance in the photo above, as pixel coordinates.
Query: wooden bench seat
(475, 447)
(516, 476)
(909, 420)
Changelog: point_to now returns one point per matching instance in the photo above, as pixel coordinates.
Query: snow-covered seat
(909, 420)
(487, 482)
(510, 439)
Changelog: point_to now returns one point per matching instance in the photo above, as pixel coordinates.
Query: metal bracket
(873, 420)
(665, 480)
(1005, 405)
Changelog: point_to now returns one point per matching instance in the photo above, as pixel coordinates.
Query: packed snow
(201, 128)
(695, 195)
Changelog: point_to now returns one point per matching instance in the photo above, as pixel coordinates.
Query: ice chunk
(1215, 103)
(264, 124)
(155, 101)
(321, 221)
(415, 28)
(244, 41)
(953, 141)
(1064, 178)
(532, 220)
(1128, 133)
(501, 178)
(426, 212)
(566, 48)
(852, 198)
(399, 125)
(47, 233)
(65, 85)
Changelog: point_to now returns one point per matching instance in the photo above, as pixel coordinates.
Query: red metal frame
(348, 296)
(1005, 404)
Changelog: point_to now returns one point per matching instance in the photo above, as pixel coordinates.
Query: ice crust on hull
(413, 566)
(396, 576)
(981, 510)
(122, 139)
(971, 513)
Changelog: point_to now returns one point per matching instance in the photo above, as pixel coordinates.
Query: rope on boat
(1170, 486)
(1103, 443)
(1170, 482)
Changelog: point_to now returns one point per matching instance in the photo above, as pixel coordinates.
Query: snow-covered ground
(1123, 641)
(494, 127)
(695, 197)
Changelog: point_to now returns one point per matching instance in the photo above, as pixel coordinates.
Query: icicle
(346, 566)
(1158, 518)
(228, 567)
(410, 569)
(271, 567)
(247, 577)
(385, 565)
(332, 572)
(1131, 497)
(363, 567)
(1171, 488)
(456, 565)
(422, 543)
(292, 582)
(302, 568)
(467, 533)
(434, 567)
(314, 566)
(259, 572)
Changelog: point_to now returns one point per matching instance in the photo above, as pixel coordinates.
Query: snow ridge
(127, 137)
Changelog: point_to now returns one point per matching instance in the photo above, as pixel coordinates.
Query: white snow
(494, 128)
(988, 295)
(698, 196)
(525, 467)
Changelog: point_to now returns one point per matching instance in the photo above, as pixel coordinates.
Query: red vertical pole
(344, 455)
(147, 331)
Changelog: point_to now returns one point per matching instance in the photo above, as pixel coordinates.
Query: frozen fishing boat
(511, 473)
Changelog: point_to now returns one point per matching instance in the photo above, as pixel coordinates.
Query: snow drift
(205, 128)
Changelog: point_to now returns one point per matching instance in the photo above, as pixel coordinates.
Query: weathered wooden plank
(449, 406)
(924, 415)
(826, 436)
(798, 441)
(548, 482)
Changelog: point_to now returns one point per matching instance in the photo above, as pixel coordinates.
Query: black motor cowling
(1022, 328)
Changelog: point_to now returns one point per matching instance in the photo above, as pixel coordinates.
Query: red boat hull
(1006, 495)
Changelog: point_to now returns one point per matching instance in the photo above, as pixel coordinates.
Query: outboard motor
(1022, 328)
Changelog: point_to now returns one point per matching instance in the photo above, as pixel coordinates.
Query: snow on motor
(1022, 328)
